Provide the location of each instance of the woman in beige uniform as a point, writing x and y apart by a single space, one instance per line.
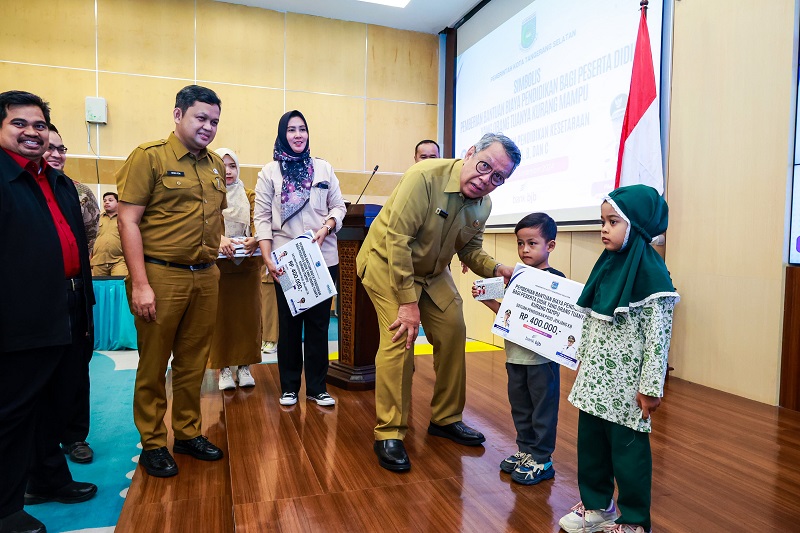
237 335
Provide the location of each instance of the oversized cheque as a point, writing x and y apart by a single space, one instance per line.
538 313
304 276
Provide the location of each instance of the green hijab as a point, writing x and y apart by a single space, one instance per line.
636 273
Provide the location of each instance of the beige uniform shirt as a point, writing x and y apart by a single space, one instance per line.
326 201
107 247
411 242
183 198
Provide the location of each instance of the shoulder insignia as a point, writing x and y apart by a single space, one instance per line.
152 144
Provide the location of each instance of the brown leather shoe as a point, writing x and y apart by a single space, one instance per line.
78 452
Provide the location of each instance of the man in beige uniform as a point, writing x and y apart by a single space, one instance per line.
107 259
437 210
171 194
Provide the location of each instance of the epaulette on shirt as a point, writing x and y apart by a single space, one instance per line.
152 144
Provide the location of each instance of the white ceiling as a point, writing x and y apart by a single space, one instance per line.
426 16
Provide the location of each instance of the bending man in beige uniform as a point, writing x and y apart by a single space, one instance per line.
437 210
107 259
172 193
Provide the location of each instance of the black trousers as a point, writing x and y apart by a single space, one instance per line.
33 412
534 392
315 321
77 423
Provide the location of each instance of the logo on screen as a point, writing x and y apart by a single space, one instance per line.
797 244
528 36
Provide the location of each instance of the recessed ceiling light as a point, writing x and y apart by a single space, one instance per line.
391 3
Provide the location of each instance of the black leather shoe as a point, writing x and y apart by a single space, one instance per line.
21 522
458 432
392 455
158 462
73 492
199 448
78 452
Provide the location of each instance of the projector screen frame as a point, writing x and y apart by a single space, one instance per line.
498 13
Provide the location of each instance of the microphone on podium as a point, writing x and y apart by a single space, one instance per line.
374 170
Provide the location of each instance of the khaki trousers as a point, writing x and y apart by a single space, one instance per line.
269 313
111 269
186 307
394 365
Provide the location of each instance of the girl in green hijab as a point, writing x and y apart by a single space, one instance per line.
629 299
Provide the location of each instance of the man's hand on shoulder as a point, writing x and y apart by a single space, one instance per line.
407 321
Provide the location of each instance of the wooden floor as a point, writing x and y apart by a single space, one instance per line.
721 463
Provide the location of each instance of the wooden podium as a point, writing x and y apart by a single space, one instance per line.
358 324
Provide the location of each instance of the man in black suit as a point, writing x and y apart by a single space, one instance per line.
45 314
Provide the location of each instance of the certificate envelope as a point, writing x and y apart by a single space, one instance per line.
305 280
538 313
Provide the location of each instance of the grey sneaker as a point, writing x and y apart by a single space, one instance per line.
226 379
245 379
513 461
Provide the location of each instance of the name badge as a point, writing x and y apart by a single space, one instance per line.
322 185
174 173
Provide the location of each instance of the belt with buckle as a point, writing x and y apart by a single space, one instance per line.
200 266
74 284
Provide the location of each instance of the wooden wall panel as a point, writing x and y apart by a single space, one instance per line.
335 124
402 65
147 37
248 122
64 90
393 130
325 55
477 316
790 358
34 34
728 165
239 44
139 110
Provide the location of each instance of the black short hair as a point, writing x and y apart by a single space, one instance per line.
14 98
547 226
190 94
109 193
427 141
53 128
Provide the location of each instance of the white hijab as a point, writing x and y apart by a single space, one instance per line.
237 214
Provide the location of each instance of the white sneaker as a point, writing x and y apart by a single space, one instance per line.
226 379
288 398
624 528
581 520
324 399
269 347
245 379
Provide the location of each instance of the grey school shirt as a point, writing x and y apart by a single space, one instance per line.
518 355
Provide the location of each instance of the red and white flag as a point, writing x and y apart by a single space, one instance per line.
640 144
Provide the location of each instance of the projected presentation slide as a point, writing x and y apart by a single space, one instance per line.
555 79
794 237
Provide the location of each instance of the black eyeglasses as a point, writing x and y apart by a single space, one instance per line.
496 178
59 149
